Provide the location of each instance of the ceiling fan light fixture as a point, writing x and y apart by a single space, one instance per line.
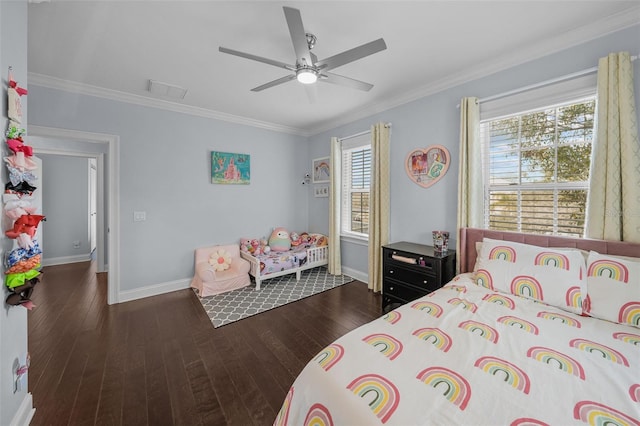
306 76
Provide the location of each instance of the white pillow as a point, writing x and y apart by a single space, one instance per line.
220 260
551 275
613 288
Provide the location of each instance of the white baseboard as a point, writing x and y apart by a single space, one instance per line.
358 275
168 287
153 290
25 412
66 259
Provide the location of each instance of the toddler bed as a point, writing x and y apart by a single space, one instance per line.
532 335
278 263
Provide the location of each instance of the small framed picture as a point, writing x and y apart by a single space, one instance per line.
321 191
321 170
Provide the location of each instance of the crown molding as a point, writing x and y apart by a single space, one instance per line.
115 95
572 37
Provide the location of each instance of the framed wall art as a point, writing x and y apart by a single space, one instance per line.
230 168
321 170
426 166
321 191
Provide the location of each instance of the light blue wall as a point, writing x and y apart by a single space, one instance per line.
165 171
13 319
416 211
165 167
65 200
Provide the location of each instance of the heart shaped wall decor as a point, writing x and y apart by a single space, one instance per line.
426 166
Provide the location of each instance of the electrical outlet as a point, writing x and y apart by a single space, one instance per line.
139 216
76 244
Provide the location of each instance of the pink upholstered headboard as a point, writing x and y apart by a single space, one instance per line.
469 237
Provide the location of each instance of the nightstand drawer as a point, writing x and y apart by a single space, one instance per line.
402 291
411 276
425 263
411 270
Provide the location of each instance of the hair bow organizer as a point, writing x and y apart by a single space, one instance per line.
22 263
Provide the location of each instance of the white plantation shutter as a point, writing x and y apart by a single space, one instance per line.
536 166
356 179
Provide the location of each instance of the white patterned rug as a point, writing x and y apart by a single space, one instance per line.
235 305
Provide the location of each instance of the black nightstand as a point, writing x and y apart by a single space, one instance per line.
412 270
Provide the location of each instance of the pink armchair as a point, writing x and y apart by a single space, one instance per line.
207 281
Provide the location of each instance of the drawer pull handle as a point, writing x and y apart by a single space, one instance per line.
425 281
390 288
391 271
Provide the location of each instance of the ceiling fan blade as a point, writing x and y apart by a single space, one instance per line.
257 58
351 55
345 81
274 83
298 36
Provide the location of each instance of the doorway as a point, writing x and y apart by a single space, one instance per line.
105 150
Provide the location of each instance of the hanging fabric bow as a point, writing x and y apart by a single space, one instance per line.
18 254
16 145
26 224
16 176
16 280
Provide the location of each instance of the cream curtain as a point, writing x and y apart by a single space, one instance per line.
378 203
335 265
613 202
470 183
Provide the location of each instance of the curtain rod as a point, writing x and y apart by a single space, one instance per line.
387 125
542 84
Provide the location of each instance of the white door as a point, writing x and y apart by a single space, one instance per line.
36 201
93 203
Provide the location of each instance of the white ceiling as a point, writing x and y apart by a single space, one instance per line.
112 49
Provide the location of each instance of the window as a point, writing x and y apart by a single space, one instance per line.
356 179
536 168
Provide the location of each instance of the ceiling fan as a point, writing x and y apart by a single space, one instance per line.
308 69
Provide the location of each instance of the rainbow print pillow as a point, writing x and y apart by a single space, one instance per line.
550 275
613 288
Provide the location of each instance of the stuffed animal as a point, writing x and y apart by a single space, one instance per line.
279 240
264 245
295 239
245 244
318 240
255 245
304 238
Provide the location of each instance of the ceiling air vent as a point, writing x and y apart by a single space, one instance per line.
167 90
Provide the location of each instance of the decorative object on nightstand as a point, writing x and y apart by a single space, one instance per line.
413 270
440 241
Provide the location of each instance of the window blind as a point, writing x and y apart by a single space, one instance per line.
536 167
356 179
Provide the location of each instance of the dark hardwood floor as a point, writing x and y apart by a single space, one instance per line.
159 361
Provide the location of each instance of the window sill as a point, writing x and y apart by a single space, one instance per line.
354 240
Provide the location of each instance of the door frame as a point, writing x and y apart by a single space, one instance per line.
96 192
113 195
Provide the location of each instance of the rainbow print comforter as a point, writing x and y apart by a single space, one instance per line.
465 355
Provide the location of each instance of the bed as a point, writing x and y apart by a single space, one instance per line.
294 261
484 351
